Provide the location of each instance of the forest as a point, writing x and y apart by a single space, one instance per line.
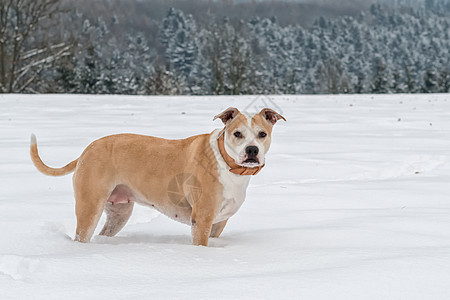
223 47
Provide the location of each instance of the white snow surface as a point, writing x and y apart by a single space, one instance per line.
354 203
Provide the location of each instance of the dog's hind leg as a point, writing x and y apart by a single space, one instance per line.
217 229
90 199
117 216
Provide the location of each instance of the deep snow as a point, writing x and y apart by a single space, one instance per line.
353 203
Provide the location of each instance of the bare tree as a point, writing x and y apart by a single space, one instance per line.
239 65
164 82
215 54
331 78
25 48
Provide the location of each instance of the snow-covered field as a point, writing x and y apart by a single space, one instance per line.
354 203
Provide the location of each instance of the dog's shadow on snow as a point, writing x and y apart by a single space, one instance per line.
130 238
134 238
149 239
139 238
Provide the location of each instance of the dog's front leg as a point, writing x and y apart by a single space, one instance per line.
201 227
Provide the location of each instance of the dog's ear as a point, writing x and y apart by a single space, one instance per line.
227 115
271 115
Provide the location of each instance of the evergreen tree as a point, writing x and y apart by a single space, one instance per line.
179 37
430 82
444 81
380 83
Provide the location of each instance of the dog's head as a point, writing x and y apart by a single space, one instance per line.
248 137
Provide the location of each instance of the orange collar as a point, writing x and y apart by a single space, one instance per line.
234 167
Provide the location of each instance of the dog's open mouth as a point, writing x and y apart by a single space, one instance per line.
251 161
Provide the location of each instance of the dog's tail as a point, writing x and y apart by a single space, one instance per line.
43 168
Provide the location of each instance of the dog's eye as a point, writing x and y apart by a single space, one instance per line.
262 134
238 134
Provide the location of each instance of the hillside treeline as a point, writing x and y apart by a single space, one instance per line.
50 46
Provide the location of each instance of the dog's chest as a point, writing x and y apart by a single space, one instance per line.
234 187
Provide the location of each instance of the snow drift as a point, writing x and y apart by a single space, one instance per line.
353 203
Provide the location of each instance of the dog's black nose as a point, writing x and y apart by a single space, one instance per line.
251 151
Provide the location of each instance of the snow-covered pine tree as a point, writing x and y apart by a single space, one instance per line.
380 81
90 65
430 81
444 80
179 37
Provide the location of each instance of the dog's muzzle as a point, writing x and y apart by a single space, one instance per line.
252 155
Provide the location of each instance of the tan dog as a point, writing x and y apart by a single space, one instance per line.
200 181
